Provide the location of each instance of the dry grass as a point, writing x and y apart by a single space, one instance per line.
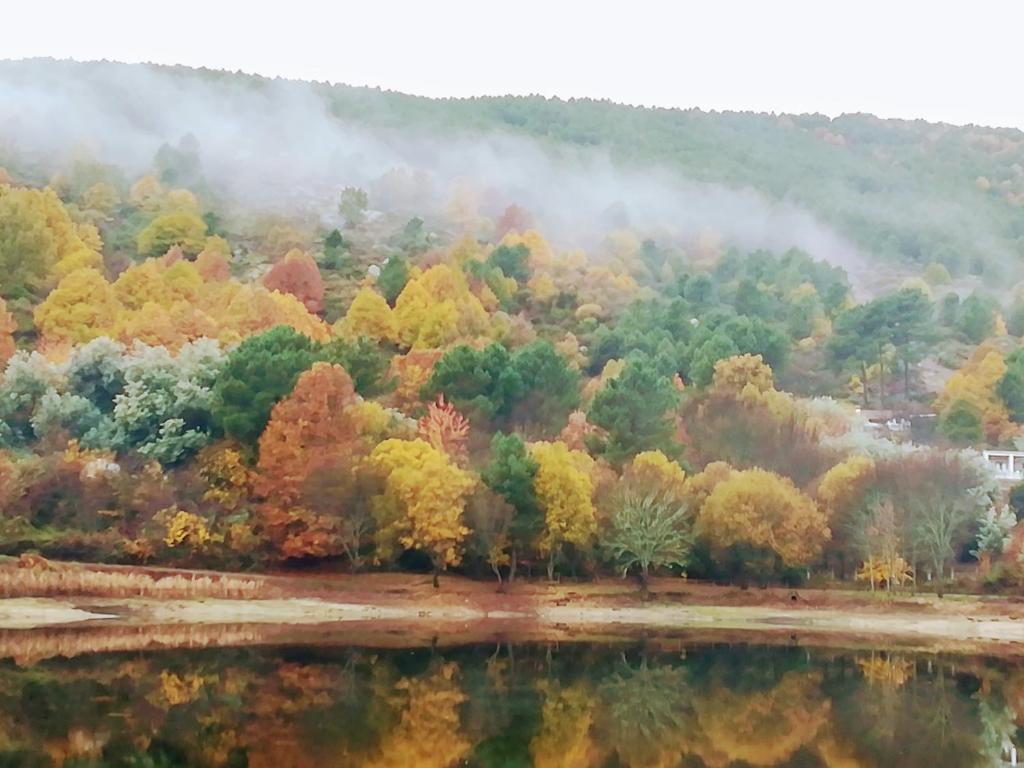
36 577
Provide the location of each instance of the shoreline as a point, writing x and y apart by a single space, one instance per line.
99 624
396 608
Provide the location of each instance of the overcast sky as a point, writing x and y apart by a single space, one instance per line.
939 60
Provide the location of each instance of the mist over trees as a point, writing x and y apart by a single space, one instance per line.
485 335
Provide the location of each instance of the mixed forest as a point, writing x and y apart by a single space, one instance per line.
193 378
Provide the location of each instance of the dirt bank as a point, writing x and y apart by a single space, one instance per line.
392 609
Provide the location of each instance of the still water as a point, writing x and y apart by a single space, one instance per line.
658 702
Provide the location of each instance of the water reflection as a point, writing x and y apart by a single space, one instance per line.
656 704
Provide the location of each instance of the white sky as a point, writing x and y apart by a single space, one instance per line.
958 62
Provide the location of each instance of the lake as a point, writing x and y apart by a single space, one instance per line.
655 702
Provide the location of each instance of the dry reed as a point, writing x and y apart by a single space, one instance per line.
40 578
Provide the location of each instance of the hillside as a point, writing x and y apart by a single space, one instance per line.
902 193
247 323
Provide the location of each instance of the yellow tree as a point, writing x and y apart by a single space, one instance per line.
973 388
742 373
82 307
842 492
423 500
182 228
437 308
653 471
39 240
564 489
7 329
759 511
368 315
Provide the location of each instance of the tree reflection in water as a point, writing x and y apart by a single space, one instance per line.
622 706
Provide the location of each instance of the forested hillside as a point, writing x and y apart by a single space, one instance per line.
249 322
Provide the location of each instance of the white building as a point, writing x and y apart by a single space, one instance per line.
1008 465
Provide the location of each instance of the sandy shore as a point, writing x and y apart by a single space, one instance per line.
29 613
403 608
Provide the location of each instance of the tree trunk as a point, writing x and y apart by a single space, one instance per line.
512 566
881 379
864 379
906 380
497 572
645 591
551 566
437 577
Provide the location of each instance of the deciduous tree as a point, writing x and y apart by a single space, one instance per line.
564 490
423 500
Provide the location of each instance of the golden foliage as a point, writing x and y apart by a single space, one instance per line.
654 472
564 489
82 307
843 485
229 481
436 308
7 329
886 670
186 529
762 509
975 384
368 315
412 370
423 500
701 485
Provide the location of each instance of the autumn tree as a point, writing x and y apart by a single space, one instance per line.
182 228
970 406
753 513
39 241
564 489
446 430
298 274
654 472
82 307
310 431
7 329
368 315
422 504
436 308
